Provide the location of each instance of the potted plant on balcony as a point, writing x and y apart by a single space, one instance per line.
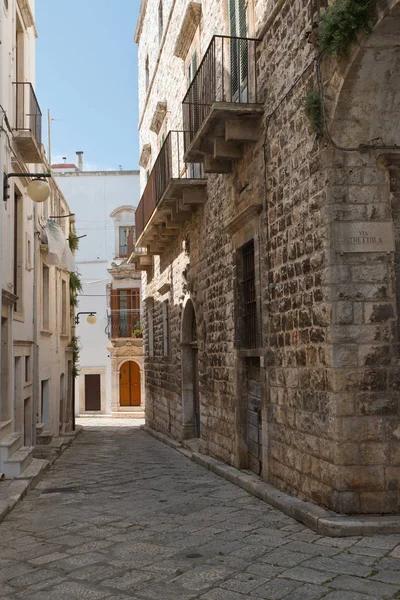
137 331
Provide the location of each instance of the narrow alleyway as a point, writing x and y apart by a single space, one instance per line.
120 515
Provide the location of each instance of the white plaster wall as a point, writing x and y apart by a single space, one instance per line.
93 196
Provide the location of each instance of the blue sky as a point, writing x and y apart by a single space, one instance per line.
86 74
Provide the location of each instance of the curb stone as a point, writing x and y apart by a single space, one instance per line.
320 520
24 484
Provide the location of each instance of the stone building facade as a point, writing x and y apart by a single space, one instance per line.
272 277
35 335
110 380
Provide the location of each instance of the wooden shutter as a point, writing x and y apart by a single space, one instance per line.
239 50
114 301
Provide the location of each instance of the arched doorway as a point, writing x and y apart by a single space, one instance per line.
190 374
129 384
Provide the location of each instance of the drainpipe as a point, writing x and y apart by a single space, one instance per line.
36 321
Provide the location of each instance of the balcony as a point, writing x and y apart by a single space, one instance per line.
138 257
222 110
124 323
27 126
173 192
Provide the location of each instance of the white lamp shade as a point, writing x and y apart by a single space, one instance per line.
91 319
38 190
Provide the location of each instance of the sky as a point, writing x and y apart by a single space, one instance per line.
86 74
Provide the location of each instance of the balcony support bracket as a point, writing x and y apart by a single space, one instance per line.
223 149
217 165
243 130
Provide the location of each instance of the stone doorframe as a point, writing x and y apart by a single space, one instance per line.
103 387
117 362
243 228
188 347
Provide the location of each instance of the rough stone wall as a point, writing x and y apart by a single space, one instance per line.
329 378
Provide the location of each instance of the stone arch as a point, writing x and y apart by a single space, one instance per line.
190 377
364 124
361 89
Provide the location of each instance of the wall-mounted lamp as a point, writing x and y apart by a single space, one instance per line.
38 188
91 318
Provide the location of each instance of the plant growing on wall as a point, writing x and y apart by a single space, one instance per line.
314 111
137 330
340 23
75 286
73 241
74 344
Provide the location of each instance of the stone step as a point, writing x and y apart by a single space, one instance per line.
5 428
10 444
18 462
34 470
44 438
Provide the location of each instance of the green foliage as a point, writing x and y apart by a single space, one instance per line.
137 330
75 287
339 25
73 241
314 111
74 344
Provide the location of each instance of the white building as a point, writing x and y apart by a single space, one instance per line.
35 325
111 359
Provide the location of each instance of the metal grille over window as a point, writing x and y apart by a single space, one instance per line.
249 296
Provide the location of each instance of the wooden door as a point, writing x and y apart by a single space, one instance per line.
129 384
92 392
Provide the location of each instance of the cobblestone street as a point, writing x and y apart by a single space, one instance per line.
120 515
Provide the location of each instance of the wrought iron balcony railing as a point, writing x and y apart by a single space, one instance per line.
168 168
28 116
227 73
124 323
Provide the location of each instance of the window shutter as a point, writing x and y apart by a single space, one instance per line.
114 301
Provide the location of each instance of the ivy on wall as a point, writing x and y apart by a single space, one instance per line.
75 286
314 111
340 23
74 344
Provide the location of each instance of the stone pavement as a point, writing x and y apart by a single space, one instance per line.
120 515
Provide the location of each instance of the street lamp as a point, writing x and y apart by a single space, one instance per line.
38 188
91 318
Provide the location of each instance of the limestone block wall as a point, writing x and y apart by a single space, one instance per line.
329 329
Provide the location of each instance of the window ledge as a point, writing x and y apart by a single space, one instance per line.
251 352
46 332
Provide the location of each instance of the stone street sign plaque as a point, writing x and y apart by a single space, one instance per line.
364 237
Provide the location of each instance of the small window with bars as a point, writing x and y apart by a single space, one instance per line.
249 337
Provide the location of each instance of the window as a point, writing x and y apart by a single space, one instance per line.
239 50
192 67
166 341
125 313
248 296
123 241
150 330
45 298
64 307
147 73
27 369
160 22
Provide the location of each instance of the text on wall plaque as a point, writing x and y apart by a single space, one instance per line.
364 237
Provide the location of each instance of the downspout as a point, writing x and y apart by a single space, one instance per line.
36 321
